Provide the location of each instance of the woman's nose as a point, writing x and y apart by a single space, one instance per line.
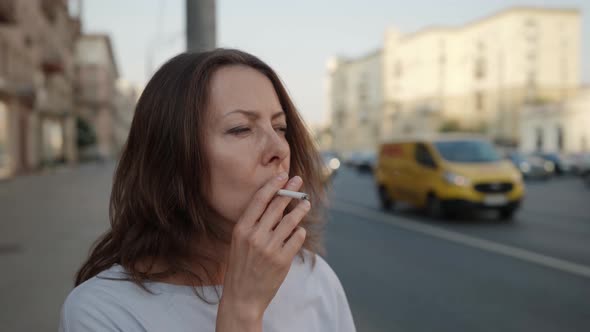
276 148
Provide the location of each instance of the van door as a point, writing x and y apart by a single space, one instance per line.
391 164
424 174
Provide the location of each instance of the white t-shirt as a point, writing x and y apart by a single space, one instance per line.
308 300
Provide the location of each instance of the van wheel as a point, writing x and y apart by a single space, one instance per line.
507 214
434 208
385 201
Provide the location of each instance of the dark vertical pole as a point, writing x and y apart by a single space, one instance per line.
200 25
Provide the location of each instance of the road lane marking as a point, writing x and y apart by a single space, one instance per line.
467 240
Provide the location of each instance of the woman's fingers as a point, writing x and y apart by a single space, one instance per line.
289 224
275 210
260 201
294 243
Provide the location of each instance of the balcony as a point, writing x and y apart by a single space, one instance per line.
24 91
8 12
52 63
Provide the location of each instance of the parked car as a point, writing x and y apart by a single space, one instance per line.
586 178
448 174
366 161
583 167
562 166
581 163
350 158
531 167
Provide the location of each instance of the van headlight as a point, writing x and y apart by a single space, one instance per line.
456 179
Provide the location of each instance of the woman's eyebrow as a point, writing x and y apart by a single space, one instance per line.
254 114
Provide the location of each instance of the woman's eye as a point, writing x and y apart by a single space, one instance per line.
281 129
239 130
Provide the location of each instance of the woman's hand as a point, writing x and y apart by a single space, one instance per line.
264 244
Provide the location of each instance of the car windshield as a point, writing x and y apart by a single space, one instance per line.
517 157
467 151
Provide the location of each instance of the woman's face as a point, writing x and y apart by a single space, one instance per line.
246 144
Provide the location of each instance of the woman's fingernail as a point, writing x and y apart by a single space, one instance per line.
306 204
282 176
295 181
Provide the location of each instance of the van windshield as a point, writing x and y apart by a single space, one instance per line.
467 151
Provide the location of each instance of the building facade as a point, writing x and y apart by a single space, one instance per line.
36 83
557 127
477 77
97 74
355 102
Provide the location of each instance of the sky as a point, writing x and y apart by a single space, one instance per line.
296 38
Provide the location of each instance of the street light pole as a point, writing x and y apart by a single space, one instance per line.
200 25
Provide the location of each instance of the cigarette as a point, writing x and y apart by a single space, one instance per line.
293 194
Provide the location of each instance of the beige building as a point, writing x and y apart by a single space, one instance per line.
355 102
97 74
557 127
478 76
36 78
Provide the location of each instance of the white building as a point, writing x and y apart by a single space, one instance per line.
355 102
557 127
479 75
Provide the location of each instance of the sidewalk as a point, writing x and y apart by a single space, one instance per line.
48 221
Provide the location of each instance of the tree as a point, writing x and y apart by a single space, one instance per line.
86 135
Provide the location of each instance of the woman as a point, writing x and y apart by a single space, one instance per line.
199 240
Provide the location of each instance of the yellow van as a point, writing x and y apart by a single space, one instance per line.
448 174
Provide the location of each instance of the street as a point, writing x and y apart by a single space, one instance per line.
401 271
404 272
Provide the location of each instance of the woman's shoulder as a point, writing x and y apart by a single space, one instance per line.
314 272
101 299
109 285
313 291
314 265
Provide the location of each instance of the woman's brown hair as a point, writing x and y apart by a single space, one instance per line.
158 207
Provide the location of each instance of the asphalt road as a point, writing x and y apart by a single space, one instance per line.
405 272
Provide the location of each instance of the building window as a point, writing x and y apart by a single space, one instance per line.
480 68
3 137
530 23
339 117
363 117
560 140
479 102
530 30
398 71
539 139
362 92
531 82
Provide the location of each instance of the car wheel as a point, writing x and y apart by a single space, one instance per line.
385 200
507 214
434 208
